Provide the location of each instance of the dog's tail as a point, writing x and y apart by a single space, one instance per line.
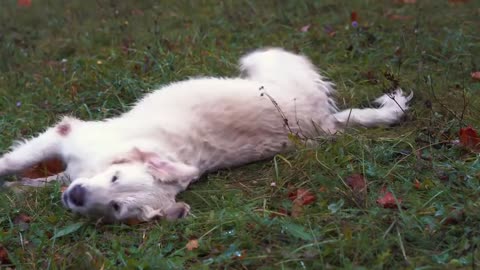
275 65
392 108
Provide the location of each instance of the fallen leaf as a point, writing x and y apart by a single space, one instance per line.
305 28
297 210
137 12
454 217
22 218
406 1
356 182
301 196
192 244
417 184
370 76
475 75
63 188
329 30
24 3
4 259
397 17
73 91
353 16
387 200
132 221
469 138
44 169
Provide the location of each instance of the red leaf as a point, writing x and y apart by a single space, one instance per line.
356 182
417 184
354 16
24 3
455 217
469 138
4 259
301 196
475 75
22 218
44 169
387 200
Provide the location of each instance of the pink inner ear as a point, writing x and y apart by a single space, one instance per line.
160 164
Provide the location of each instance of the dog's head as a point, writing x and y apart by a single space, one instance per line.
138 185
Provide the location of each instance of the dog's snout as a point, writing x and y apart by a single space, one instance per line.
77 195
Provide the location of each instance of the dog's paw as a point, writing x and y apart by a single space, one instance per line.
177 211
396 99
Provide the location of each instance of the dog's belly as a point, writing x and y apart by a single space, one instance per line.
216 123
231 133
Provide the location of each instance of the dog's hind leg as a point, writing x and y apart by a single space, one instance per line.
45 146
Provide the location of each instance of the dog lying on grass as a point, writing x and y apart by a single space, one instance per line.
133 166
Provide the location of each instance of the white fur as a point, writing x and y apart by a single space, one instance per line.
183 130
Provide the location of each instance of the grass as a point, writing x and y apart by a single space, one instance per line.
92 59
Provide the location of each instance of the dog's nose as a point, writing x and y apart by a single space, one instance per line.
77 195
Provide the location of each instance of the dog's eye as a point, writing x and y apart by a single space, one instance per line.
115 206
114 178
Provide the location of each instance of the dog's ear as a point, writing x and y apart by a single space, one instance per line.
161 168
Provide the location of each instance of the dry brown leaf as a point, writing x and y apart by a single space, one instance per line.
4 259
44 169
22 218
356 182
301 196
192 244
406 1
132 221
297 210
73 91
397 17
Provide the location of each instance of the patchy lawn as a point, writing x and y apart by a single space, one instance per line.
385 198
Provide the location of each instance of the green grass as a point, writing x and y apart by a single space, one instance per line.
115 51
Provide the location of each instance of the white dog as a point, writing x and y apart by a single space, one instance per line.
134 165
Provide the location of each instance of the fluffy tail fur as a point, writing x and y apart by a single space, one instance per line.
278 66
275 65
392 107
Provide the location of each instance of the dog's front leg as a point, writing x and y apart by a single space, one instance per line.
40 182
27 153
